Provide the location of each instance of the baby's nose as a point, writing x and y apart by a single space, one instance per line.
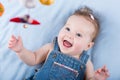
70 36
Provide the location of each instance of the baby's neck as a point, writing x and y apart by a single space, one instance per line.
75 56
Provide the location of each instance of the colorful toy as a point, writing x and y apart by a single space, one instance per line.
46 2
28 3
25 19
1 9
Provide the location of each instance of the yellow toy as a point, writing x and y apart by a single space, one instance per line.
46 2
1 9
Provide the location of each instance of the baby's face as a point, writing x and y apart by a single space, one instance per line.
75 36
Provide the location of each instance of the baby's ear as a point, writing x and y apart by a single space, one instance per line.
90 44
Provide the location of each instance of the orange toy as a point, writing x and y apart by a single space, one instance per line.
46 2
1 9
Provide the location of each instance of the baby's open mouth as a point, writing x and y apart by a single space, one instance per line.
67 44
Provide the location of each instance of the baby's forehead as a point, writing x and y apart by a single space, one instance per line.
78 18
80 21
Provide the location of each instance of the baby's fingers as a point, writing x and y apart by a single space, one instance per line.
104 69
12 41
106 72
98 70
13 38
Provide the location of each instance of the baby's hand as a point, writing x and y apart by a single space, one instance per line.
101 74
15 44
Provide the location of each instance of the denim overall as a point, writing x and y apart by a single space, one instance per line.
60 66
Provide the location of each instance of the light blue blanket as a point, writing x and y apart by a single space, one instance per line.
52 18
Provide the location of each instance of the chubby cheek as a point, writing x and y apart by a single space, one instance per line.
79 47
61 34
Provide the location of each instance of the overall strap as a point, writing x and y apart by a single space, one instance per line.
84 57
56 47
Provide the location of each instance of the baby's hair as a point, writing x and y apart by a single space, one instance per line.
88 14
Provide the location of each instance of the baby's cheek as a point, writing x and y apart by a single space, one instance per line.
78 48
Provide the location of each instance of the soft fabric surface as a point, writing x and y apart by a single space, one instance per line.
52 18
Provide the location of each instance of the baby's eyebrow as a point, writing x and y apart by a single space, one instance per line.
67 24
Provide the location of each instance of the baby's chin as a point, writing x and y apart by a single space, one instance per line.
70 54
65 51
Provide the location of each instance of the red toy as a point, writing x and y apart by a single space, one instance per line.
25 19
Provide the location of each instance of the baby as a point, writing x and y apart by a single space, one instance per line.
66 57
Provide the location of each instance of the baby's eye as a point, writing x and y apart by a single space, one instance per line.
78 34
68 29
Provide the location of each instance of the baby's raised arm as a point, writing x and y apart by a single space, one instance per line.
29 57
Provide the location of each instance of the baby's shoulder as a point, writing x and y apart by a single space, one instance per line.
89 62
49 46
